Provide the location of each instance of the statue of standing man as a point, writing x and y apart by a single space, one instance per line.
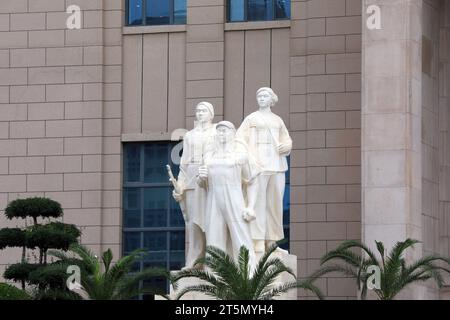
269 142
195 143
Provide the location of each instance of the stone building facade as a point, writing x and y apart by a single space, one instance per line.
368 111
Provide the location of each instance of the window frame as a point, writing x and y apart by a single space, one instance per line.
144 15
272 11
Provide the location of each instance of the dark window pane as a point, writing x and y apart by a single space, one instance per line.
132 208
155 283
176 217
286 200
179 12
176 260
158 12
155 241
284 244
132 241
134 12
132 162
155 207
258 10
156 259
282 9
177 240
155 158
236 10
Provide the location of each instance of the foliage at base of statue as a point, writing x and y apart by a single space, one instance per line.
100 280
231 280
9 292
388 274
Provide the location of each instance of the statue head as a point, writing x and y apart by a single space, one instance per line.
266 97
226 132
204 112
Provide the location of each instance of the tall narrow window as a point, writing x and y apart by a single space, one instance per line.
286 210
151 218
155 12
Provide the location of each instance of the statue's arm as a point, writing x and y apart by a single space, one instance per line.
249 175
285 140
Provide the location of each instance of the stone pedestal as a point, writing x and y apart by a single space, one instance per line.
288 259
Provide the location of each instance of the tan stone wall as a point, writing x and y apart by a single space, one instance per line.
60 102
443 242
325 121
430 132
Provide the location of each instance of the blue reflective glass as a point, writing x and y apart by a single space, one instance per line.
155 160
258 10
282 9
155 259
158 12
155 241
156 202
131 241
286 204
132 207
154 283
176 217
285 242
236 10
176 260
179 12
132 162
177 240
134 12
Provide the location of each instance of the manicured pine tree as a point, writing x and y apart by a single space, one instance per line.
40 237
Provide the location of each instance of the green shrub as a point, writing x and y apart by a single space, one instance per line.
55 235
33 207
50 276
19 271
11 237
9 292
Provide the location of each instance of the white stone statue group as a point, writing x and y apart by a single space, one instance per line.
231 182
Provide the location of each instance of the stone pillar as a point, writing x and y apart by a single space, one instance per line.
204 55
391 127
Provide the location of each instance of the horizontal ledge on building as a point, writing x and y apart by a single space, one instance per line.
150 136
255 25
154 29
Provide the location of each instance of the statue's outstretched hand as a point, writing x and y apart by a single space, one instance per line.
177 196
248 215
203 172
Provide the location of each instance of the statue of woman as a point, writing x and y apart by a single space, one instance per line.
227 174
194 197
269 143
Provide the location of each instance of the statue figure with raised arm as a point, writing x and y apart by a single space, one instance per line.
226 175
191 197
269 142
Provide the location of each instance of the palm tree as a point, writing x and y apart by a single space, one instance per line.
395 274
113 282
230 280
